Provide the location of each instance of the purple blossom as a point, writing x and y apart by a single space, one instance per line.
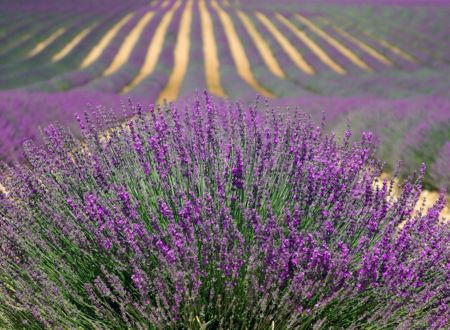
268 221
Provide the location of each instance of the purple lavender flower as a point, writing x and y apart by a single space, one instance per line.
239 219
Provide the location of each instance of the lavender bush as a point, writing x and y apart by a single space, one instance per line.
215 217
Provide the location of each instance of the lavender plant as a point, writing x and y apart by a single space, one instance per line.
215 216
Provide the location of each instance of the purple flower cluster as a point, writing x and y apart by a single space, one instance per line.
219 215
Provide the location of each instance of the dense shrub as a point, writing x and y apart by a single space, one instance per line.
215 216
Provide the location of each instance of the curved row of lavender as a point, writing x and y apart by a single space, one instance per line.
214 215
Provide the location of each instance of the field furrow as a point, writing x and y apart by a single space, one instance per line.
128 45
195 77
181 56
15 51
394 34
93 76
210 53
237 51
165 4
18 30
45 43
278 87
287 46
369 50
23 70
17 41
428 41
66 74
262 46
319 52
335 43
231 80
42 65
72 44
398 57
98 50
393 48
375 64
154 49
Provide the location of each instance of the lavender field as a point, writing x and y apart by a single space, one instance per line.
224 164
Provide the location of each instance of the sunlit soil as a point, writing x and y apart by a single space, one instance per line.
210 54
45 43
72 44
380 41
98 50
262 46
427 198
333 42
128 45
392 48
16 42
238 52
181 56
165 4
154 50
369 50
287 46
312 45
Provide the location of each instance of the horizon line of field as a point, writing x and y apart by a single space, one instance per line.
309 35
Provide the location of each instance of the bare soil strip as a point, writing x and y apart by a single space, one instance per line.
165 4
391 47
287 46
380 41
210 54
16 42
98 50
426 200
333 42
44 44
362 45
154 50
238 52
128 45
319 52
72 44
262 46
181 56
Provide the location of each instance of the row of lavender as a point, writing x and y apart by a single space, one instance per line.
216 216
38 73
